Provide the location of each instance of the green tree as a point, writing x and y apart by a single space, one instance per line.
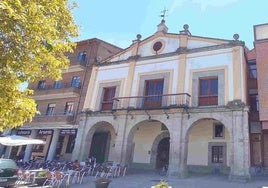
35 35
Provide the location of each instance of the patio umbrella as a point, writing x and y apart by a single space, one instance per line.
15 140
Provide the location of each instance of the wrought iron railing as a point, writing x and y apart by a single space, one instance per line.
55 87
76 61
60 117
179 100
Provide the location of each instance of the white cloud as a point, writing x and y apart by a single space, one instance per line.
204 4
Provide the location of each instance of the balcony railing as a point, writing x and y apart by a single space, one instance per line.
68 118
179 100
75 61
62 86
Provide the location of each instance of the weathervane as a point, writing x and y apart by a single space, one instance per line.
163 15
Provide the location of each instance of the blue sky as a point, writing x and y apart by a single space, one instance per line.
119 21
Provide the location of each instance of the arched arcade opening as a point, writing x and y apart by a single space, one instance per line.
100 142
148 145
208 147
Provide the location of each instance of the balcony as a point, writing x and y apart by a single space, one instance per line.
180 100
77 64
66 90
59 118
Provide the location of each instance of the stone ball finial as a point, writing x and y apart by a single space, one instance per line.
236 36
185 26
138 36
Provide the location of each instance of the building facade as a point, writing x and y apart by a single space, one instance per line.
59 104
171 99
258 82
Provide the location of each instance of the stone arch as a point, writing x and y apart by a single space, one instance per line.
155 144
133 126
93 122
224 119
130 132
101 126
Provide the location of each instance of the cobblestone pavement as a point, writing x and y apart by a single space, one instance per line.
148 179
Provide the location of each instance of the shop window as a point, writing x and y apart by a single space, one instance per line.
218 131
39 147
153 93
217 154
71 143
208 91
59 146
50 109
41 84
107 100
69 108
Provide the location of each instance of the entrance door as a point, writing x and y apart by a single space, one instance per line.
162 157
59 147
255 149
98 146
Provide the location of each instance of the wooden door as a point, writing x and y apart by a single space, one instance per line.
265 149
255 142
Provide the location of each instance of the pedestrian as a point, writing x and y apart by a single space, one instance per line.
21 154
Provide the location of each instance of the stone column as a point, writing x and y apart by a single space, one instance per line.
78 151
178 149
29 148
2 149
53 145
241 163
120 146
7 152
8 148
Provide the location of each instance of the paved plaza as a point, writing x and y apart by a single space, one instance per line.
148 179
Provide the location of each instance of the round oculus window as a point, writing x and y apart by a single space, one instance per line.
157 46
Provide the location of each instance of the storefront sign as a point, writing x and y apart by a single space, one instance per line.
68 131
45 132
23 132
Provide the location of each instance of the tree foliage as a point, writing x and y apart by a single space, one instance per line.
35 35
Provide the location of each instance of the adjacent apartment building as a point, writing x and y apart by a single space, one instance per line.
171 99
59 104
258 92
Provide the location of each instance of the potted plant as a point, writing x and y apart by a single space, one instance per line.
162 184
40 178
102 182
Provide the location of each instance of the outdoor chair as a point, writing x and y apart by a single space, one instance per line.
49 178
